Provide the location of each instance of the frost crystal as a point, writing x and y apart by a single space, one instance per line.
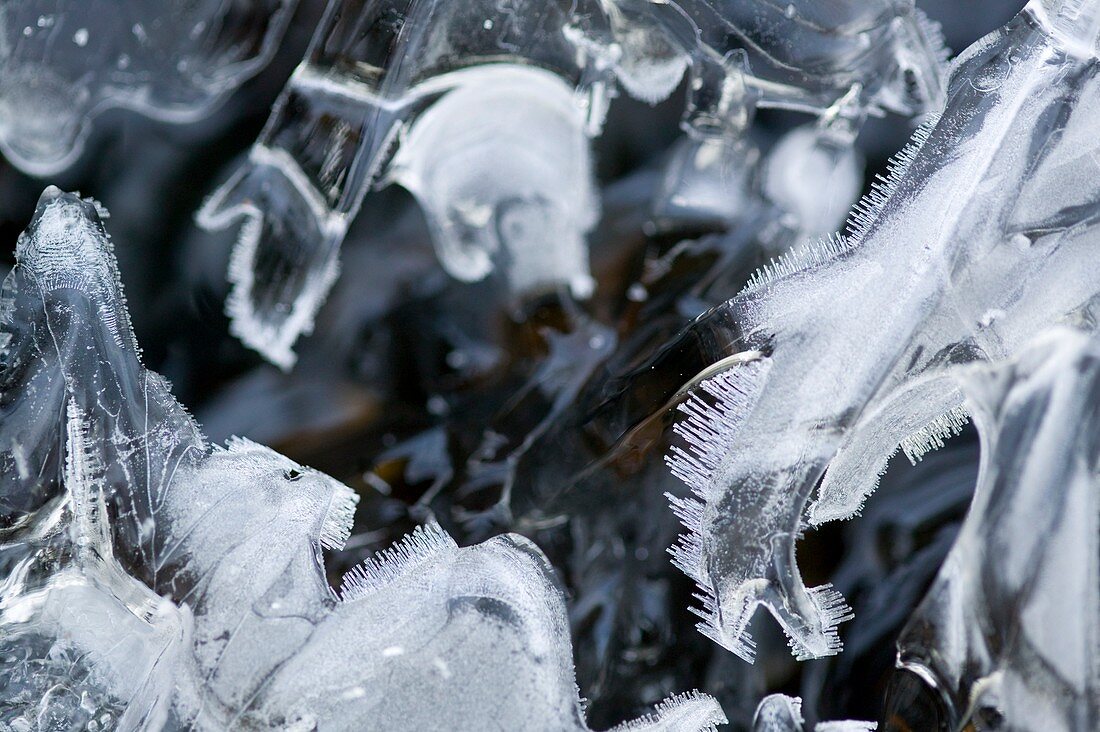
1008 633
156 581
983 234
63 62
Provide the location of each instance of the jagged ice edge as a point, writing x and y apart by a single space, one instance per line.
931 436
693 702
424 543
708 430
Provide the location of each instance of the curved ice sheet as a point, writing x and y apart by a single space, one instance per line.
62 62
489 107
1007 635
983 234
156 581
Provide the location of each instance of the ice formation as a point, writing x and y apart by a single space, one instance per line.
63 62
781 713
1007 635
982 235
840 61
153 580
489 107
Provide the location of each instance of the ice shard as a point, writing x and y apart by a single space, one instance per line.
155 581
1007 635
61 63
982 235
489 108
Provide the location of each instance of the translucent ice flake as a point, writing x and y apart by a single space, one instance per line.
982 235
1006 637
781 713
489 106
154 581
63 62
510 187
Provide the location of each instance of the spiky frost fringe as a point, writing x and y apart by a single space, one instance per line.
863 214
832 610
424 543
847 725
699 712
712 423
708 431
800 259
870 207
931 436
738 640
932 30
336 528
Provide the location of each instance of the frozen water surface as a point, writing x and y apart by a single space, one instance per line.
64 61
154 580
493 377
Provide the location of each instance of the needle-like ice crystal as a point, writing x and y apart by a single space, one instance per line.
984 233
64 61
153 580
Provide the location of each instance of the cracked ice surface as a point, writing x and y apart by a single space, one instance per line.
154 580
61 63
983 235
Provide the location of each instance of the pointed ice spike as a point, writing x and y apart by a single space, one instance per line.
70 342
983 235
65 61
1008 629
